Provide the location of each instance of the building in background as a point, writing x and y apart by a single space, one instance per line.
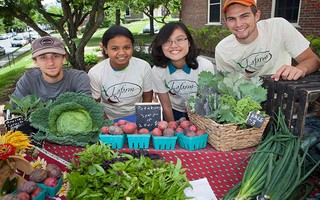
301 13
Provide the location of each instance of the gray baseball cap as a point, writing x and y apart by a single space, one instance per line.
47 44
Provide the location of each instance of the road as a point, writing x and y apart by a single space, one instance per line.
7 46
11 52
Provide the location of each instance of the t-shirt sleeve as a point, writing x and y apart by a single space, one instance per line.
21 89
147 82
95 85
83 83
295 42
221 65
158 80
206 65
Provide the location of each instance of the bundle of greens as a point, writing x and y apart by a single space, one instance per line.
227 97
26 105
102 173
72 119
278 169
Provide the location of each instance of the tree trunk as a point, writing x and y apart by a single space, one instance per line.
118 16
151 19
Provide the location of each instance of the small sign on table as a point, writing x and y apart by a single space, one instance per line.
148 115
18 123
255 119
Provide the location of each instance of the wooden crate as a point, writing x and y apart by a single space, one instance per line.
297 99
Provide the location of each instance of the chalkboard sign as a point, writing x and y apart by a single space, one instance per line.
18 123
148 115
255 119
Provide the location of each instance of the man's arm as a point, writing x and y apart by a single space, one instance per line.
308 63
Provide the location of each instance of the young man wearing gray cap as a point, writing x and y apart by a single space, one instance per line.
49 78
264 47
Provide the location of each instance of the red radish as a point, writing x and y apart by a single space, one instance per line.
186 129
104 130
115 130
190 134
122 122
162 125
136 131
51 182
129 127
181 120
23 196
144 131
156 132
185 123
35 192
168 132
115 124
193 128
200 132
173 125
179 130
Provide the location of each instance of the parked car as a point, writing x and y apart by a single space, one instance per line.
34 35
18 41
2 50
3 36
146 29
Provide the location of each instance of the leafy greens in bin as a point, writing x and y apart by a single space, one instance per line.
72 119
227 97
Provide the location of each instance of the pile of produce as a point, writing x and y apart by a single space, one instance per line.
227 97
278 169
163 128
183 125
102 173
48 176
72 119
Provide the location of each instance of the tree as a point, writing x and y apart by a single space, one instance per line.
148 7
75 13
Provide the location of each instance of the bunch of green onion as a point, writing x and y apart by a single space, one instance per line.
276 170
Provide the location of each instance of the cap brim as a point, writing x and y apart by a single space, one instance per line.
44 51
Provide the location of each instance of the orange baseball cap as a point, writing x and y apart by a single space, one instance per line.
242 2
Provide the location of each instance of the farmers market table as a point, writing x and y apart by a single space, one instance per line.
222 169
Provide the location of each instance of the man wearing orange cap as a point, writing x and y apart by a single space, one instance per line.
264 47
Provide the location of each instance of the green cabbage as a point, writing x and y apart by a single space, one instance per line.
72 119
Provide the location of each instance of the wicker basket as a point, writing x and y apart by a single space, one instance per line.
227 137
8 169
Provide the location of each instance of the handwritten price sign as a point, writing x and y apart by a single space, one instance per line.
148 115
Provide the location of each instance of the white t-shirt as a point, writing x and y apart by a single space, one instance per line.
277 43
120 90
179 84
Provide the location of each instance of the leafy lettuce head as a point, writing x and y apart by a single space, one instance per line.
72 119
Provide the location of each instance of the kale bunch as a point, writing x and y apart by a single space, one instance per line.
227 97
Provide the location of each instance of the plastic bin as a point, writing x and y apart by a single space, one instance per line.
52 191
164 142
193 143
116 141
137 141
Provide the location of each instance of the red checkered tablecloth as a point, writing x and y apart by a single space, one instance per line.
222 169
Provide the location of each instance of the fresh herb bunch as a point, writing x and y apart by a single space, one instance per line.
102 173
26 105
227 97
